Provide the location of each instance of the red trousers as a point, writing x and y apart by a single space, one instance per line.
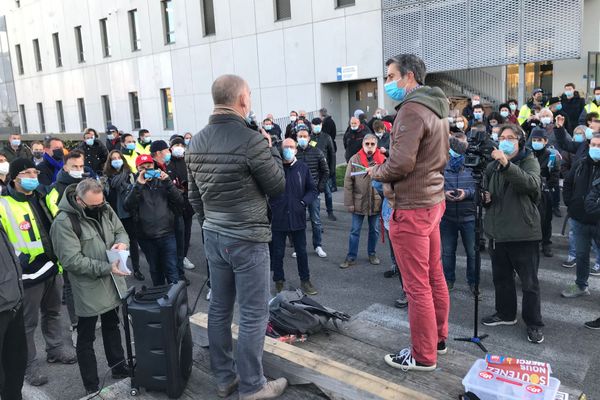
415 236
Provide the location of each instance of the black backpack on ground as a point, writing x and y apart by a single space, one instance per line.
294 313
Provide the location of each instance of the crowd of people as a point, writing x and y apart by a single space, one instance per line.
253 186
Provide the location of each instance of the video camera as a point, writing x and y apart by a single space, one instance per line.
479 151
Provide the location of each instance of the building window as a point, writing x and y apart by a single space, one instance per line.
79 44
61 116
23 118
104 38
134 105
106 110
37 55
167 106
133 31
18 3
57 54
283 10
82 114
41 119
344 3
208 16
168 21
19 59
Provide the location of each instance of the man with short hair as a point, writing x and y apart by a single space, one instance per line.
276 128
232 170
572 105
81 234
467 112
113 138
592 106
269 126
37 152
53 161
142 146
353 137
95 153
537 99
15 148
415 169
290 129
128 149
324 143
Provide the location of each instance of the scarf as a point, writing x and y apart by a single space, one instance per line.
56 165
377 157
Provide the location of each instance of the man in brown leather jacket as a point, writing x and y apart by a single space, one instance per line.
415 170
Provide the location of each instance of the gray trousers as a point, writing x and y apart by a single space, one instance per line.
44 297
237 269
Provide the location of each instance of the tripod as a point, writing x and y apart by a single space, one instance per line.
476 338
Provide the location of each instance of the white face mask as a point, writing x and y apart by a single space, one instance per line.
76 174
379 134
293 118
4 166
545 120
460 125
178 151
475 102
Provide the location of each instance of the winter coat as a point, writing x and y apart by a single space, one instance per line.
461 178
353 140
384 142
22 152
512 215
289 208
324 143
576 187
84 256
359 192
11 283
49 169
177 171
329 127
578 149
549 170
95 155
419 150
317 164
232 171
116 189
572 107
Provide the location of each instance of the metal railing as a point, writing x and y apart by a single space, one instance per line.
470 82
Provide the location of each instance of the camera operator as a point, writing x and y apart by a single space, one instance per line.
512 222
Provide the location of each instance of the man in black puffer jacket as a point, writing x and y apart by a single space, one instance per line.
95 153
325 144
577 185
232 169
309 153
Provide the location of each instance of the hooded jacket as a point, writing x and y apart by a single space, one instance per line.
572 107
84 256
95 155
418 151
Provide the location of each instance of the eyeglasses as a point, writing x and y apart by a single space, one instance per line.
94 206
29 172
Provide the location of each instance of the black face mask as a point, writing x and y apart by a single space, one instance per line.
58 154
38 154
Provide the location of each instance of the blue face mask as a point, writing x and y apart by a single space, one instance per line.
537 145
15 142
29 184
186 141
130 146
578 138
152 174
568 93
116 164
89 142
558 107
589 133
478 116
594 153
317 128
597 97
288 154
268 127
504 114
167 158
507 147
454 154
147 139
302 142
392 90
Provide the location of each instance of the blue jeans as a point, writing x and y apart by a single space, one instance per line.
584 235
572 253
449 233
238 269
328 197
357 221
161 254
314 210
278 252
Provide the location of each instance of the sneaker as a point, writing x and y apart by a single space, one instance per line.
331 217
450 285
271 390
294 255
279 286
403 360
556 212
575 291
308 288
535 335
34 376
138 275
547 251
74 336
61 358
495 320
208 294
393 271
569 263
593 324
402 301
595 270
187 264
347 263
229 389
442 348
320 252
374 260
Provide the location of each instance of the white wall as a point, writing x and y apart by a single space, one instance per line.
284 62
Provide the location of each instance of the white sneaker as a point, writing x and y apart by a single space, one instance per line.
187 264
208 294
73 330
294 255
403 360
320 252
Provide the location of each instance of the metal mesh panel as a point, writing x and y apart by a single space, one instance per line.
460 34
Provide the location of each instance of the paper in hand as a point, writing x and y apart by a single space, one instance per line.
122 256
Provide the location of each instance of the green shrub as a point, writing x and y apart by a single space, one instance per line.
340 171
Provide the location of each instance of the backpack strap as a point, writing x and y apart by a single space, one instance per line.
75 224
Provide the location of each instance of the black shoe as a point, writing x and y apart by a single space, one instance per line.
391 273
547 251
556 212
495 320
138 275
187 281
91 391
442 348
593 324
535 335
450 285
121 373
331 216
